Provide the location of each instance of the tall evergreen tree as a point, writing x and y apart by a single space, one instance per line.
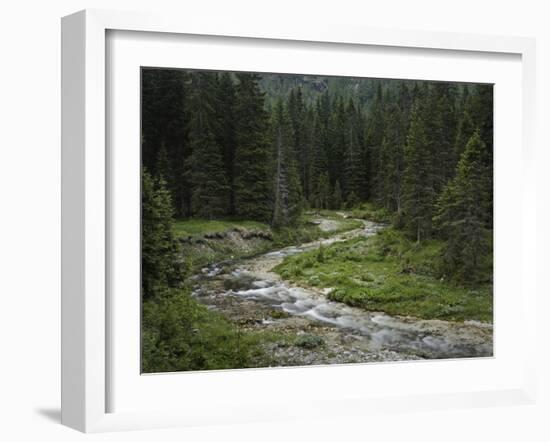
354 175
322 192
252 184
297 114
165 123
477 114
338 142
374 139
206 172
336 199
163 165
442 130
287 198
461 212
418 189
320 145
160 263
226 133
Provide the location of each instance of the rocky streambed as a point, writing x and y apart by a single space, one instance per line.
321 331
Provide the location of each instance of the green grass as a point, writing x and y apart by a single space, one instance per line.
179 334
391 274
371 212
201 250
200 227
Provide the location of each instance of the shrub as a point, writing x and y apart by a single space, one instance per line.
309 341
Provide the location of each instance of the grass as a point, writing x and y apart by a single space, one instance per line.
389 273
200 227
371 212
179 334
202 250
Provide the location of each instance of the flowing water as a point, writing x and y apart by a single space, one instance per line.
250 293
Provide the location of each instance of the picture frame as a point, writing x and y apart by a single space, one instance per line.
87 356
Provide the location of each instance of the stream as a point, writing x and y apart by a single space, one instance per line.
248 292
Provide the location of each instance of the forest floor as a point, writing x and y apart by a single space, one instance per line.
332 297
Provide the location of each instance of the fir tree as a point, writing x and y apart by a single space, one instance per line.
392 161
163 167
320 145
160 262
297 114
252 184
287 190
418 189
206 172
336 200
165 123
461 211
226 133
374 139
354 176
322 192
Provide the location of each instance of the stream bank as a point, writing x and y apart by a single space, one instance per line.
315 330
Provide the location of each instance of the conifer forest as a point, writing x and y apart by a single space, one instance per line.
292 220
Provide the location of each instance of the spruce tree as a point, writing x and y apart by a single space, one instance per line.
165 123
461 213
322 192
336 200
160 262
297 114
287 198
418 189
207 176
374 139
163 167
226 130
443 132
252 183
338 143
354 175
320 145
392 161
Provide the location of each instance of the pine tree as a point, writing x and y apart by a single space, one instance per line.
206 170
163 167
287 190
252 184
322 192
374 139
160 263
297 114
320 145
354 175
418 190
392 161
226 133
443 131
461 211
477 114
336 200
165 123
339 135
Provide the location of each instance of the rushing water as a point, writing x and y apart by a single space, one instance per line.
254 285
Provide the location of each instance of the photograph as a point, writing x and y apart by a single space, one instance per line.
303 220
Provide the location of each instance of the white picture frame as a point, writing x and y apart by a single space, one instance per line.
86 356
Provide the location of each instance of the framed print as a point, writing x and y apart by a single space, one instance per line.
250 215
